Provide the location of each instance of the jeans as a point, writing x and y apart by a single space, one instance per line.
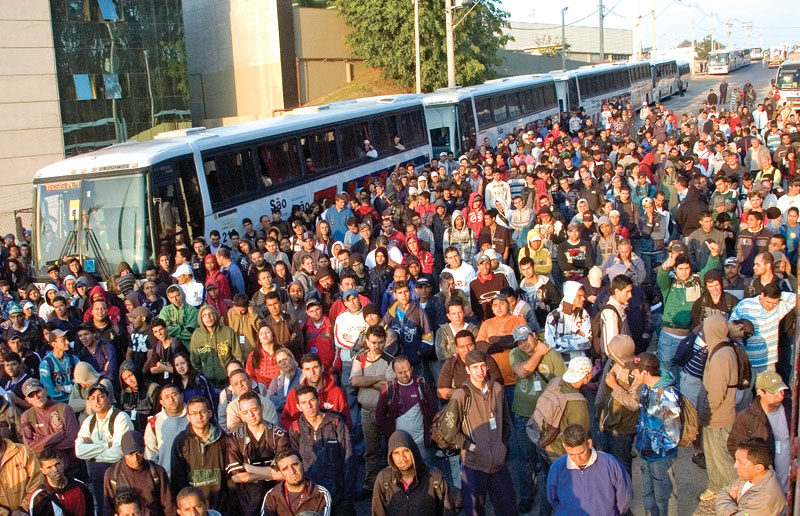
658 484
372 447
526 459
620 446
476 485
719 464
667 346
97 472
355 410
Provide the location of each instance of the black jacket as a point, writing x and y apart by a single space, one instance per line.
427 495
689 210
76 493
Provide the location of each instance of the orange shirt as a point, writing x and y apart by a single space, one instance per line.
497 326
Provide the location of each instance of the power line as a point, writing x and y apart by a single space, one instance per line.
557 26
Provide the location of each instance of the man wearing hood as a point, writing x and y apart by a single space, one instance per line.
460 237
212 346
616 421
407 485
199 457
719 379
568 329
181 318
138 397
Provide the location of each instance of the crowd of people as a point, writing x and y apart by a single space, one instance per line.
515 326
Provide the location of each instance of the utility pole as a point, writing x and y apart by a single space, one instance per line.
416 47
602 48
729 24
761 40
637 38
563 40
712 38
691 10
748 29
451 50
653 15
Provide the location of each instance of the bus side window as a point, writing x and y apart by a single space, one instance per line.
278 162
382 131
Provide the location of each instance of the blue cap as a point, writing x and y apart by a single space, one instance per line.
349 292
14 308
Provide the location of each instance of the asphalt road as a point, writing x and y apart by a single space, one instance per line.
690 479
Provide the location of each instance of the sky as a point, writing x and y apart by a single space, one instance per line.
673 18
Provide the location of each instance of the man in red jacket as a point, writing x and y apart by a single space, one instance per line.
318 334
331 396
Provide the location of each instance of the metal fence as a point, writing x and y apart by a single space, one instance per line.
15 221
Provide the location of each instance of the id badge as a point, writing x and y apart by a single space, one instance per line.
133 415
537 385
777 447
241 339
492 424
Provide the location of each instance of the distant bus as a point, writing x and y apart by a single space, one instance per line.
462 118
721 62
132 201
598 85
641 83
664 74
756 54
685 73
787 81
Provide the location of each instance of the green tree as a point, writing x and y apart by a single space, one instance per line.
702 47
383 36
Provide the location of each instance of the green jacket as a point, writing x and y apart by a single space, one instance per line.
211 351
679 296
181 322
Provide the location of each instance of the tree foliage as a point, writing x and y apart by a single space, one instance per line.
383 36
702 47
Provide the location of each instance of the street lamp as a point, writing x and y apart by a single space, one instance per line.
563 40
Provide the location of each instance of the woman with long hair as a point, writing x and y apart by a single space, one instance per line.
283 275
325 240
192 382
262 364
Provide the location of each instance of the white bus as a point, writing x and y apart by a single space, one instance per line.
641 83
131 201
596 85
788 83
664 73
685 73
462 118
756 54
721 62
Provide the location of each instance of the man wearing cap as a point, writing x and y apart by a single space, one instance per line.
49 424
181 317
99 439
576 409
732 281
534 364
483 428
138 475
192 290
57 367
308 249
29 332
485 287
767 417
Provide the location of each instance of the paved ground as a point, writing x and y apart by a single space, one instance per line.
691 480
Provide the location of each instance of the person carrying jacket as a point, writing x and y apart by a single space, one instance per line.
181 317
212 346
481 428
20 477
283 500
769 417
135 473
407 486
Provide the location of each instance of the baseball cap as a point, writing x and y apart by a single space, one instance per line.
492 254
501 297
423 281
731 261
141 311
30 386
474 357
14 308
313 302
769 381
183 269
521 333
132 442
98 387
483 257
678 247
574 225
82 282
28 305
54 334
647 200
349 292
577 369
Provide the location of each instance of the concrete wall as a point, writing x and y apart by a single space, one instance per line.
30 120
520 63
318 77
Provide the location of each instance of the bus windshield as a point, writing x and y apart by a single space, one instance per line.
441 121
788 79
719 59
105 220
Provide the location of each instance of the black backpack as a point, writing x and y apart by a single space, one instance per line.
597 328
742 364
93 422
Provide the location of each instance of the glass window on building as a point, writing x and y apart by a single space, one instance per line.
84 87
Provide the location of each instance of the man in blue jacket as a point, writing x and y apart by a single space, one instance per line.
337 216
587 481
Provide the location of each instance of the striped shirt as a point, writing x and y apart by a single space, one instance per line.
762 347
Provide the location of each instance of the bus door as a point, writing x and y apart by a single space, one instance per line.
177 204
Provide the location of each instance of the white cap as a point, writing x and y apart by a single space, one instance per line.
182 269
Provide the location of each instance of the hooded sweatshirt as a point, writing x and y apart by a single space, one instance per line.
212 350
721 373
563 324
160 433
181 320
141 403
85 374
474 217
428 494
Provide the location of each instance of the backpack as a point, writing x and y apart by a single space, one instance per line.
93 422
742 364
597 328
438 433
544 426
690 422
